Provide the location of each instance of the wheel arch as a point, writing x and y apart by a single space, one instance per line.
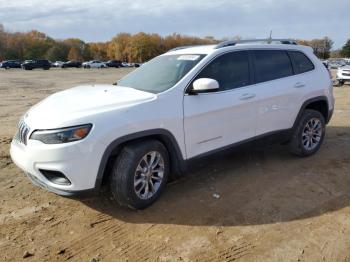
319 103
177 162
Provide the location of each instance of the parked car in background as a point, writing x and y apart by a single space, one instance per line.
335 64
114 63
343 74
37 63
71 63
10 64
57 64
125 64
94 64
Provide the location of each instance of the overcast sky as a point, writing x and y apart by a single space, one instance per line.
98 20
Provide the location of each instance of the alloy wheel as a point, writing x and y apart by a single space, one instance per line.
149 175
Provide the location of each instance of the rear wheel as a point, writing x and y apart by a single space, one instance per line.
139 174
308 134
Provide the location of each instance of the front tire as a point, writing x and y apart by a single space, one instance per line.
309 134
139 174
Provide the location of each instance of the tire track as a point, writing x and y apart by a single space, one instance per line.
230 254
120 243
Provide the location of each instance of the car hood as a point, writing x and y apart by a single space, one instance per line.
82 101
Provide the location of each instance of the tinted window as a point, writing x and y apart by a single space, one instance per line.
230 70
271 64
301 63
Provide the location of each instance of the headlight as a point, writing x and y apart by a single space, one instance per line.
62 135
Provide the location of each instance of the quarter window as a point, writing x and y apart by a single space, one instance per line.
230 70
271 64
301 63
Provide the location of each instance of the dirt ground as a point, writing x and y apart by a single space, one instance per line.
272 206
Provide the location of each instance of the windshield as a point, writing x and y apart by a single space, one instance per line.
161 73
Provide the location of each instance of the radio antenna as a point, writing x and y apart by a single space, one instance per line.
270 38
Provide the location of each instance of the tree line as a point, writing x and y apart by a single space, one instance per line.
126 47
138 47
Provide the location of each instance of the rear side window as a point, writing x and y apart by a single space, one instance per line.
271 64
301 62
231 70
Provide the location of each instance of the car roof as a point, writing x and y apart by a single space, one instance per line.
209 49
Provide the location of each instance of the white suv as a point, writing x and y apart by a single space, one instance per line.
181 105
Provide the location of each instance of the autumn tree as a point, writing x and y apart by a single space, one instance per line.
336 53
78 49
117 47
322 47
36 44
98 51
2 42
58 52
143 47
75 54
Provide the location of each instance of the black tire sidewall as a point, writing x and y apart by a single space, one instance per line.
123 172
306 117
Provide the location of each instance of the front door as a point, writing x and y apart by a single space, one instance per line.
224 117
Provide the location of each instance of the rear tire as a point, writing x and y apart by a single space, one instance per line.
139 174
309 133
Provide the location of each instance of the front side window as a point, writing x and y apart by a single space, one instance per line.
230 70
271 64
161 73
301 63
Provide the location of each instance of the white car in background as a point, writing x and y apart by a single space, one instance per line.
58 64
94 64
343 74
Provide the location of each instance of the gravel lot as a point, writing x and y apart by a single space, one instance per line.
270 205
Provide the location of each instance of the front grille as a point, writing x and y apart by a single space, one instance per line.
22 133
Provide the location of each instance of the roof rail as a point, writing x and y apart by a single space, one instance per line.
181 47
267 40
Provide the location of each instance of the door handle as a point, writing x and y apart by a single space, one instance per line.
246 96
299 85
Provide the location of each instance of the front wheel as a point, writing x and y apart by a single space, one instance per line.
139 174
309 133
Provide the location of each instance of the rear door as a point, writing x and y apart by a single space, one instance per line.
280 90
217 119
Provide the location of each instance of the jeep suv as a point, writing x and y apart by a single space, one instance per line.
33 64
181 105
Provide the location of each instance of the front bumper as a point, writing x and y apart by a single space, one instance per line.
78 161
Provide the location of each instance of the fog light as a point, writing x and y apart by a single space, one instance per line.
55 177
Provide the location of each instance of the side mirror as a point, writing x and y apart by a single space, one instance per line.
203 85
